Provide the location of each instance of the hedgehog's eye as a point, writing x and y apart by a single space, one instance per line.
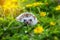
30 20
24 20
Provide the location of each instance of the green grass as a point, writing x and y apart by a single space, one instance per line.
10 29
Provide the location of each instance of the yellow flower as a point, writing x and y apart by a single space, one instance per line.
13 6
37 3
10 4
34 4
58 7
29 5
6 6
42 14
38 29
52 23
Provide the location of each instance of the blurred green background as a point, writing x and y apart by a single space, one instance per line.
46 11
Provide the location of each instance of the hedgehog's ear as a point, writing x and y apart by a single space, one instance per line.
18 18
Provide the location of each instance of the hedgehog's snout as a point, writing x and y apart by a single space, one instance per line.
28 21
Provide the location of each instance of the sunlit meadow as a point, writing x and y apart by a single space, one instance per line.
46 11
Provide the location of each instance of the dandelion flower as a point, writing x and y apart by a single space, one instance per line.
58 7
37 4
42 14
38 29
52 23
10 4
14 6
6 6
29 5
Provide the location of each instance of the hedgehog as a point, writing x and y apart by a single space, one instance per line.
27 18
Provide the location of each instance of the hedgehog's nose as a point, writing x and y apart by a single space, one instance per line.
26 22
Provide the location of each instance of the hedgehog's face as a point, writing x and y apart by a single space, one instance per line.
27 20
